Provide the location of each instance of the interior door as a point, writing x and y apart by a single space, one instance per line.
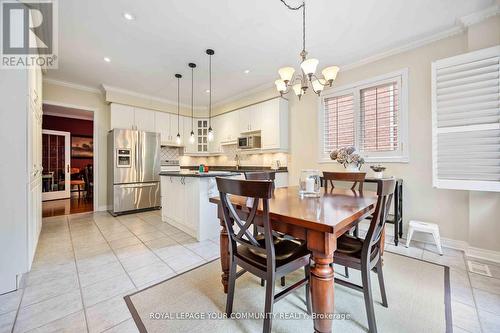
56 176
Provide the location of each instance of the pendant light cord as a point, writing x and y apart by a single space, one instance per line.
303 6
210 88
192 99
178 102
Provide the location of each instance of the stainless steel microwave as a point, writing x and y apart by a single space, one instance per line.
249 142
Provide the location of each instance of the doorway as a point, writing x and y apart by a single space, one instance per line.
68 160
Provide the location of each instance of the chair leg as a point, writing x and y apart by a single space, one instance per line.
283 281
230 288
268 309
307 273
367 291
346 271
356 231
262 282
381 283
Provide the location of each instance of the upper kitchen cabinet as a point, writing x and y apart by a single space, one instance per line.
274 133
250 118
129 117
122 116
144 120
228 128
162 126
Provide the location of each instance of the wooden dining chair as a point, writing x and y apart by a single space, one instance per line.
264 175
358 178
365 254
261 257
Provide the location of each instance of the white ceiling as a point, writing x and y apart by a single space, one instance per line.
259 35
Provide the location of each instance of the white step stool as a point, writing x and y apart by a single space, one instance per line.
431 228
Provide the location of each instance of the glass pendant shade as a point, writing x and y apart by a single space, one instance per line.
178 139
191 137
330 73
280 85
297 88
286 73
309 66
210 134
318 85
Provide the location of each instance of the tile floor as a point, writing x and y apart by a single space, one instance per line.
86 263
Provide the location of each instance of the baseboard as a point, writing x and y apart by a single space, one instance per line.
102 208
484 254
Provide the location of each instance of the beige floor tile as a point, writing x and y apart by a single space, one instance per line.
50 288
465 317
113 235
150 236
10 301
42 313
91 251
461 289
206 250
127 326
124 242
107 314
161 242
106 289
454 261
100 273
485 283
150 273
490 322
487 301
88 264
7 321
73 323
131 251
136 262
183 263
142 228
173 251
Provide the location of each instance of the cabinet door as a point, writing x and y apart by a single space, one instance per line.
255 117
244 120
174 127
214 146
190 202
144 119
232 125
162 125
122 116
271 126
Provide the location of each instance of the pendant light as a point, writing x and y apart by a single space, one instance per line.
210 53
191 136
178 138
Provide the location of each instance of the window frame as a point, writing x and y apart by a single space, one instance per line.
398 156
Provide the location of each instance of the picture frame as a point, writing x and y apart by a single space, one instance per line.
82 146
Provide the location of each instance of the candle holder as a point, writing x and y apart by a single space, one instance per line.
310 183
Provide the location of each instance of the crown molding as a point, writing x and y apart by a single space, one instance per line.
72 85
107 88
477 17
245 93
63 115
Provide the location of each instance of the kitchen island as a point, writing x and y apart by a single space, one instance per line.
185 205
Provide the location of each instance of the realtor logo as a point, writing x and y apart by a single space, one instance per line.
29 34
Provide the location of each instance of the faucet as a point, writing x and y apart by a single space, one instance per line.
237 159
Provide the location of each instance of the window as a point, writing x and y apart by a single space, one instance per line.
370 115
466 121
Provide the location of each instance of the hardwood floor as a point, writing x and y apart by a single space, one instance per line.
72 205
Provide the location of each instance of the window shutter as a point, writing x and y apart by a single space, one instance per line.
466 121
338 122
379 112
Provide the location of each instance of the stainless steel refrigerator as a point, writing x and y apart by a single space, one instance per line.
133 170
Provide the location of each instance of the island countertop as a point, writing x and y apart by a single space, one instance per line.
189 173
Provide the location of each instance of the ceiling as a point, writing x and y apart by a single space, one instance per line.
258 35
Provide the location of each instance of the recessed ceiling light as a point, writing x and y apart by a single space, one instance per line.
207 91
107 59
128 16
246 71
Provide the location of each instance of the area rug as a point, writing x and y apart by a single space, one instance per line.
417 291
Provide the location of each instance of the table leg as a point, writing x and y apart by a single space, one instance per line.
400 210
224 255
396 215
322 287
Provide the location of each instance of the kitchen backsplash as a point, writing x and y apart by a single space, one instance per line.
169 153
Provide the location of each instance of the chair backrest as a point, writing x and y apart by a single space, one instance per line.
385 192
261 175
355 177
256 191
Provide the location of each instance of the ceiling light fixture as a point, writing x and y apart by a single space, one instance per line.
301 82
191 136
107 59
128 16
207 91
210 53
246 71
178 138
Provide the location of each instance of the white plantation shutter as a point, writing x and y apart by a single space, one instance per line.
466 121
338 122
378 121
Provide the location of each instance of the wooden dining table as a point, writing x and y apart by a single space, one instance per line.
319 221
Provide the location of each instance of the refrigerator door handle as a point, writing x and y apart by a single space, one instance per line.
138 185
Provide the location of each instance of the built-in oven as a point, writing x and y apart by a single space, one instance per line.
249 142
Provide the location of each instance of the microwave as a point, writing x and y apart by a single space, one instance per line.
249 142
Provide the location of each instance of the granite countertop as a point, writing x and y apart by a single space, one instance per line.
233 169
190 173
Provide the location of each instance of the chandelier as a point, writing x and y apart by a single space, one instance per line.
301 82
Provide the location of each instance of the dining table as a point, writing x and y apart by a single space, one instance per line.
317 220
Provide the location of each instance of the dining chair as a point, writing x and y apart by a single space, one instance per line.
365 254
264 175
261 257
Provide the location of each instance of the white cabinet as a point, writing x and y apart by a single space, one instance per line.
215 145
122 116
250 118
162 126
274 134
228 127
144 119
